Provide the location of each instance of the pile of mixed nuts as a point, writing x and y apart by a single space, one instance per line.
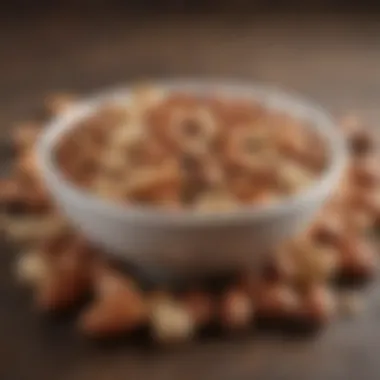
306 283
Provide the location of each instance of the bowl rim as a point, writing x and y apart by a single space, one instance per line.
269 95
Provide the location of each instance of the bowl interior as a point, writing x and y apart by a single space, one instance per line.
270 97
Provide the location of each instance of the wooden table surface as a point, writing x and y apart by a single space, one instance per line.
335 61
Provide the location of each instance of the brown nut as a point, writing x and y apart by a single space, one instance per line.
236 310
67 280
119 306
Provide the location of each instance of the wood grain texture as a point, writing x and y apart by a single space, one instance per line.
334 61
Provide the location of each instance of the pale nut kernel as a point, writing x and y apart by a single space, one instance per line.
148 179
32 268
145 97
251 150
171 322
292 177
192 131
215 201
315 263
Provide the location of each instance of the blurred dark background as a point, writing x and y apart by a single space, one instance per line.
327 49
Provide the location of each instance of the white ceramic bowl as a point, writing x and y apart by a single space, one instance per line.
185 242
